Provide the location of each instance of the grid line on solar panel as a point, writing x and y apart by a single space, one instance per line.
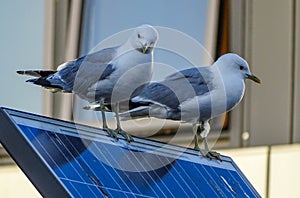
78 160
161 181
28 129
74 170
119 175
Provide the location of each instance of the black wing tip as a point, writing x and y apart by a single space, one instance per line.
33 80
21 72
36 73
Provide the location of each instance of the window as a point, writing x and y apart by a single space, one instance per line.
188 36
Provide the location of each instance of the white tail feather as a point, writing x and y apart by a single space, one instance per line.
154 110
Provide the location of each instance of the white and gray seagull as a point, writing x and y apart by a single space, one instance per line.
195 95
105 77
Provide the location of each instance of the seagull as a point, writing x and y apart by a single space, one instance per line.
195 95
106 77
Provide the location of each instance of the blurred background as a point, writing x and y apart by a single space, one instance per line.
261 134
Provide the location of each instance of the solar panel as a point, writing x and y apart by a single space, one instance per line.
63 159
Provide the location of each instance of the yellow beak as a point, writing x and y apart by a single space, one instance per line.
145 47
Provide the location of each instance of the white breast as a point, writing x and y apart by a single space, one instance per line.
133 69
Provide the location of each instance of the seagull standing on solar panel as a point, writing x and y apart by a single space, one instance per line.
105 77
195 95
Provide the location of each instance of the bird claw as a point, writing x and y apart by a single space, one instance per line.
197 148
214 155
112 133
211 155
127 137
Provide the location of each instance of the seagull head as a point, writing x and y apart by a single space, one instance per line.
236 65
144 38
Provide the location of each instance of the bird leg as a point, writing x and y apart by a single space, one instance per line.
102 108
110 132
205 128
196 141
119 130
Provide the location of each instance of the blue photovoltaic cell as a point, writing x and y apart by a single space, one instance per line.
87 163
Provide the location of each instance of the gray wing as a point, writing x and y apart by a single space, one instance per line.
81 73
93 69
176 88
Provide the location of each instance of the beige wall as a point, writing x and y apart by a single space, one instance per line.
275 168
13 183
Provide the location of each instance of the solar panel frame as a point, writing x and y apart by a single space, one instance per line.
41 173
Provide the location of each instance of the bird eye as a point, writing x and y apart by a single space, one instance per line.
241 68
139 36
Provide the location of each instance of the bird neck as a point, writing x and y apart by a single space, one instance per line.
231 82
